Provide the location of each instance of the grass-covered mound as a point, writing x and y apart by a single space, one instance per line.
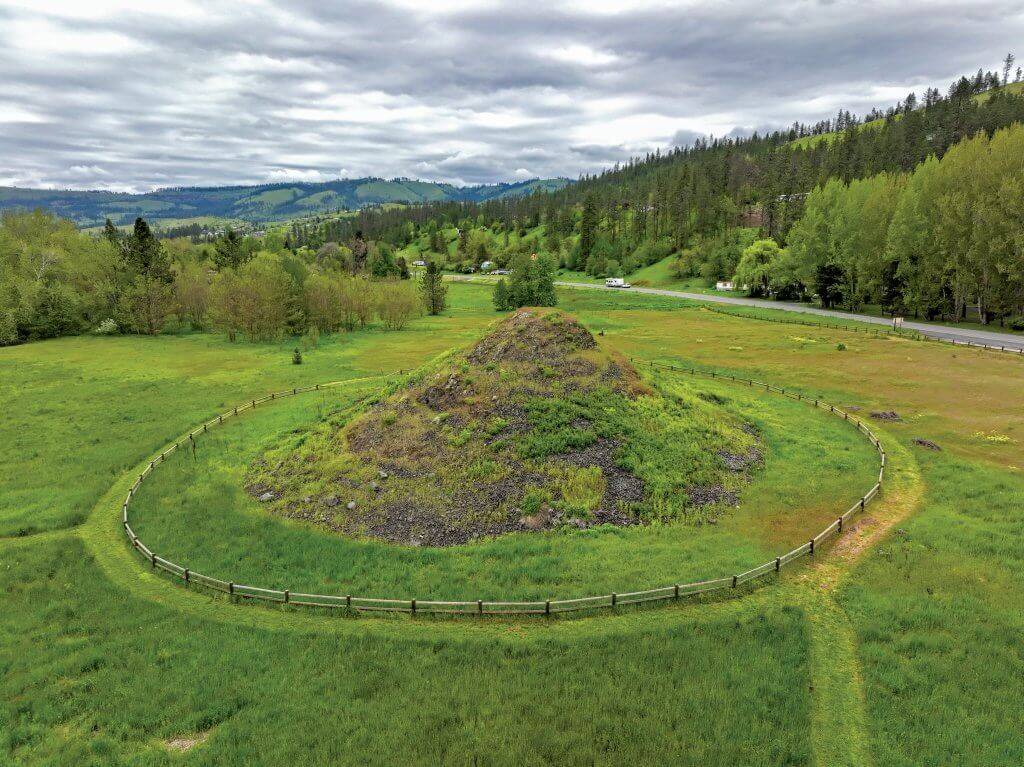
533 428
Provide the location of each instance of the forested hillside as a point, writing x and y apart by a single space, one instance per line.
702 206
254 203
922 214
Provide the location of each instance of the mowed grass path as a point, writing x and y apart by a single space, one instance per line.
103 670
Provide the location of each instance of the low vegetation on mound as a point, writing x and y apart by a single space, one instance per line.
536 427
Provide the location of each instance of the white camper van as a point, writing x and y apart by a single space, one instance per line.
616 282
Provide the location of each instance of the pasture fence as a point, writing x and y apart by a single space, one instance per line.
879 332
480 607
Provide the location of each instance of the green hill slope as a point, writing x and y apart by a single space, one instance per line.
269 202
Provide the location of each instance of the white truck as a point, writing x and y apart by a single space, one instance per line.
616 282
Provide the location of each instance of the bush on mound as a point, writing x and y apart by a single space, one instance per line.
535 427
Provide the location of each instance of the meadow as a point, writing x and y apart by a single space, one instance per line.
899 647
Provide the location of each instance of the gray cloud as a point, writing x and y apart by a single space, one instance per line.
118 96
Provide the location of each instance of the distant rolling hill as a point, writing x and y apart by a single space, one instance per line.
267 202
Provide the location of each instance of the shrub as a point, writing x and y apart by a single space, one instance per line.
397 303
191 294
256 299
296 356
324 301
500 296
358 303
106 328
533 499
584 488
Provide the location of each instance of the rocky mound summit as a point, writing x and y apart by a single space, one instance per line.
535 427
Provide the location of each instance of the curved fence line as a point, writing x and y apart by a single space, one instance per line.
878 332
674 591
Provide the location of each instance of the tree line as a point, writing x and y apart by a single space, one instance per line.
928 243
56 280
809 212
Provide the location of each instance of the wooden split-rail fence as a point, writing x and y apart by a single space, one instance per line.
673 591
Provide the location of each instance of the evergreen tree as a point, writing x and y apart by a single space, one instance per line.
588 227
432 289
360 250
112 234
144 255
229 251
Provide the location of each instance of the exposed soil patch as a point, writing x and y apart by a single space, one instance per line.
741 461
533 428
705 496
886 415
183 743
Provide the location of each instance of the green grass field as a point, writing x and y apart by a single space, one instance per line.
897 647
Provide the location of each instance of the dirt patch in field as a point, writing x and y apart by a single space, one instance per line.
184 743
886 415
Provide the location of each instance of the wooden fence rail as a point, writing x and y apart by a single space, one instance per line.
880 332
480 607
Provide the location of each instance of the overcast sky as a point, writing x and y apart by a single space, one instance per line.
137 95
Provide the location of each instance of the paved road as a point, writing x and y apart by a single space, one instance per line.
988 338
